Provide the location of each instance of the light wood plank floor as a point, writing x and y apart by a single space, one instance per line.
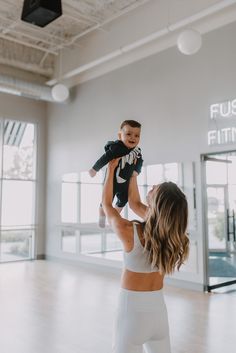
50 307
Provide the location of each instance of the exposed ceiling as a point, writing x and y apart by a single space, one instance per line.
34 49
94 33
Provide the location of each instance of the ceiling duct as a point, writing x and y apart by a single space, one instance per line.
19 87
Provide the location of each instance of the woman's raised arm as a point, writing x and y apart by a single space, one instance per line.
119 225
135 202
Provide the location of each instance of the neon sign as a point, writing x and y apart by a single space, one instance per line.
223 110
221 136
221 115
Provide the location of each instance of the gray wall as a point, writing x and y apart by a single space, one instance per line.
18 108
169 93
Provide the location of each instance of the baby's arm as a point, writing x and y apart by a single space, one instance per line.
113 150
103 160
110 154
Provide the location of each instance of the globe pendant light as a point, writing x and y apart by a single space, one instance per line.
189 41
60 92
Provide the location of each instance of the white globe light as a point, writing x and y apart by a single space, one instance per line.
60 93
189 41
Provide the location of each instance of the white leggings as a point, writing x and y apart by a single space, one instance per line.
141 323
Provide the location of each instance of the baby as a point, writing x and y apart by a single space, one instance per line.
130 163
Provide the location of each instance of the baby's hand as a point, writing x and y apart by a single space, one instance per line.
92 172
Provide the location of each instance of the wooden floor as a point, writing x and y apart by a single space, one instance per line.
49 307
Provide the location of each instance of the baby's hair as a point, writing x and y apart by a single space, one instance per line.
132 123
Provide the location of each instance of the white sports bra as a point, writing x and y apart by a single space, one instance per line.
136 260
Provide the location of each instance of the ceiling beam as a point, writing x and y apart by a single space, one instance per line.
125 35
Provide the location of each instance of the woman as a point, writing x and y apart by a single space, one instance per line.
151 249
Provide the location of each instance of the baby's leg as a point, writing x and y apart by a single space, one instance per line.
102 217
122 197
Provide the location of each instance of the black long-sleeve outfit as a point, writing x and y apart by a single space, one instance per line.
131 160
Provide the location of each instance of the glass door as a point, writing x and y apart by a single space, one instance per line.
216 215
220 201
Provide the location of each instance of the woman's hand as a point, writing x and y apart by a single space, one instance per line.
113 164
107 195
119 225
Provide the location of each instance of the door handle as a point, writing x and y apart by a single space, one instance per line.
228 230
234 235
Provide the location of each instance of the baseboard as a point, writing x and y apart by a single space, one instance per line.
184 284
41 257
100 267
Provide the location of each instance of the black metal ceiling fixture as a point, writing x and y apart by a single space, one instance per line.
41 12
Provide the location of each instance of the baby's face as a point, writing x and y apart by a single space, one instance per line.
130 136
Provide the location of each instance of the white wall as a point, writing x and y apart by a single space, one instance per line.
169 93
18 108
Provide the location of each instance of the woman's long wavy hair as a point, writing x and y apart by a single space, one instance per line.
165 228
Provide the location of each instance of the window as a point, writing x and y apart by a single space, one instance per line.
17 203
81 197
19 150
68 243
16 244
159 173
18 188
69 198
91 196
90 242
